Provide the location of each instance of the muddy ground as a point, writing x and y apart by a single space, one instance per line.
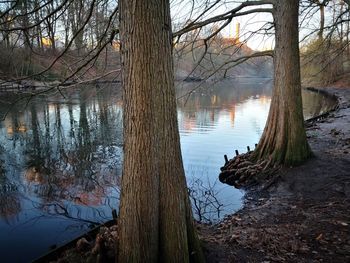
301 216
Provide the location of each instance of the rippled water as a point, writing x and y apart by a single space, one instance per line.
62 157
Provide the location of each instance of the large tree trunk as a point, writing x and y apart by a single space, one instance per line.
284 138
155 219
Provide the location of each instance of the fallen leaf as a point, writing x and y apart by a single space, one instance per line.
342 223
319 236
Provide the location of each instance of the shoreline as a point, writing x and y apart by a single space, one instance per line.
302 216
299 217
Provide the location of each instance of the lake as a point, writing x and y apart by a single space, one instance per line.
61 157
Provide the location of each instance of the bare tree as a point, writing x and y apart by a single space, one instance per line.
325 56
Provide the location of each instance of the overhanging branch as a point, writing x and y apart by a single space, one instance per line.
227 16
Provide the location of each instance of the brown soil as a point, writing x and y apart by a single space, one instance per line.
304 215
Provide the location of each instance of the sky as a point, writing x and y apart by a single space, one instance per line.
185 10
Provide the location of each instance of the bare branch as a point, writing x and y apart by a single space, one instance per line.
228 15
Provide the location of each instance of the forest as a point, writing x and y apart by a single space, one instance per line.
174 131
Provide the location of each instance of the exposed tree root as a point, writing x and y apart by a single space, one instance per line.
242 172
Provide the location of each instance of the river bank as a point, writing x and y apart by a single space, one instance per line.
303 216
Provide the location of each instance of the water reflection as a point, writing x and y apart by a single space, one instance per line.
216 120
10 204
316 103
61 158
202 110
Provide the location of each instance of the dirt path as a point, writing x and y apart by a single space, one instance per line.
305 215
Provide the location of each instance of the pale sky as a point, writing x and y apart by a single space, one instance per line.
183 11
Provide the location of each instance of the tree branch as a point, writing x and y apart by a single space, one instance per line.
228 15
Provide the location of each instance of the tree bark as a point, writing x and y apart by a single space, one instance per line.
284 138
155 220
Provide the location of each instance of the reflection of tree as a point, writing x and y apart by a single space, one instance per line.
84 146
10 204
15 128
35 146
103 115
71 119
84 130
315 103
203 107
204 199
67 156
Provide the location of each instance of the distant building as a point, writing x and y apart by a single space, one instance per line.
238 31
233 40
228 41
116 45
47 42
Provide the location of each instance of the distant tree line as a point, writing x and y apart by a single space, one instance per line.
53 24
